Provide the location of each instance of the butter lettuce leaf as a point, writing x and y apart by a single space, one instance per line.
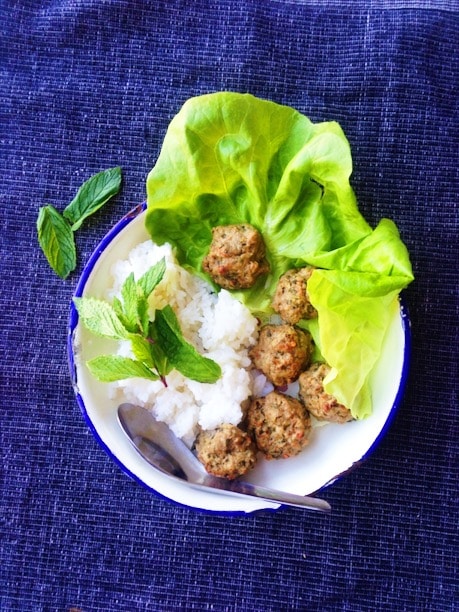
233 158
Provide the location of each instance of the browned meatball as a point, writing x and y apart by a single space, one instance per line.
227 452
282 353
280 425
236 257
319 403
291 299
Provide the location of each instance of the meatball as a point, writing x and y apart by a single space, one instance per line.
280 425
227 451
236 257
282 353
291 299
319 403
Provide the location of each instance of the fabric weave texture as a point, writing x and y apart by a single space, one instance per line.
90 84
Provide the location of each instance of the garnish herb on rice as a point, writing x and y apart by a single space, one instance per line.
158 346
56 231
231 158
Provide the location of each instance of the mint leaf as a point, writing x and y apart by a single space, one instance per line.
152 277
163 365
118 308
56 241
93 194
169 315
100 318
142 313
141 348
145 286
182 355
109 368
129 301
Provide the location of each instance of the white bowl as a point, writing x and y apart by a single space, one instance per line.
333 450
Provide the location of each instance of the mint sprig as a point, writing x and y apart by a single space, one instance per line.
157 346
56 231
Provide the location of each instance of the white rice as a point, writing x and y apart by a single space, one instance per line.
217 325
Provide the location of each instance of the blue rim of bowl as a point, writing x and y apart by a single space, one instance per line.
72 325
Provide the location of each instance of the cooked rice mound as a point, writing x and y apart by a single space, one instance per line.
218 325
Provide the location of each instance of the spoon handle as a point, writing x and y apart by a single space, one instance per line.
284 498
239 487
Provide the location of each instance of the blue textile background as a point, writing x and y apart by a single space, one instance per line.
89 84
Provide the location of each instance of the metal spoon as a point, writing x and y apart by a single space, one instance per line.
156 442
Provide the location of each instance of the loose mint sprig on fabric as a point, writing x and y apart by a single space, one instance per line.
56 231
158 346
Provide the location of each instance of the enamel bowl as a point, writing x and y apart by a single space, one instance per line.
333 450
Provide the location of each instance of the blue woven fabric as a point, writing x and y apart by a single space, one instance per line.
86 85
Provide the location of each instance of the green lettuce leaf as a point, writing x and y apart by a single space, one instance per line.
233 158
